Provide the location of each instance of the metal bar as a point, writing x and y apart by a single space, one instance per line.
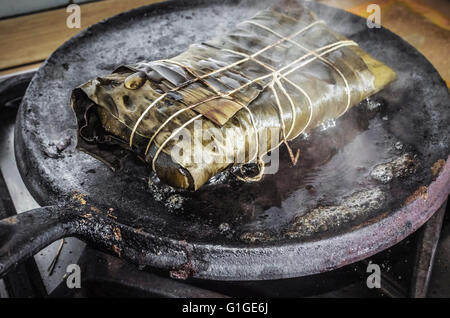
13 86
389 286
426 249
25 281
105 275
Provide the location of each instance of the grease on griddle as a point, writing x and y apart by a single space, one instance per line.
400 167
324 218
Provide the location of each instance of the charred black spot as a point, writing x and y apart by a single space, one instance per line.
127 101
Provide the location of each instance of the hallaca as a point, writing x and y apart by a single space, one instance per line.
228 101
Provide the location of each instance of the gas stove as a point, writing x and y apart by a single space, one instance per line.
416 267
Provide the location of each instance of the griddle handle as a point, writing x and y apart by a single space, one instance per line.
25 234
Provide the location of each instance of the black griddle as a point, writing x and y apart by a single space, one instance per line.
325 212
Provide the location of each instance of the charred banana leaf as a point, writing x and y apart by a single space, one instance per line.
275 76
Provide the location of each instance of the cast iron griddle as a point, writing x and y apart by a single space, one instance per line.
337 206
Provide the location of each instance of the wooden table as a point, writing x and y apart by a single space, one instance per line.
27 40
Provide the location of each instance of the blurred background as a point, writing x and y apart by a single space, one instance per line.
31 30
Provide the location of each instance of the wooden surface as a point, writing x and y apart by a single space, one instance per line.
31 38
26 41
424 24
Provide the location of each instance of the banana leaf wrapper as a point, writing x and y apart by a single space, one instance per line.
282 71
